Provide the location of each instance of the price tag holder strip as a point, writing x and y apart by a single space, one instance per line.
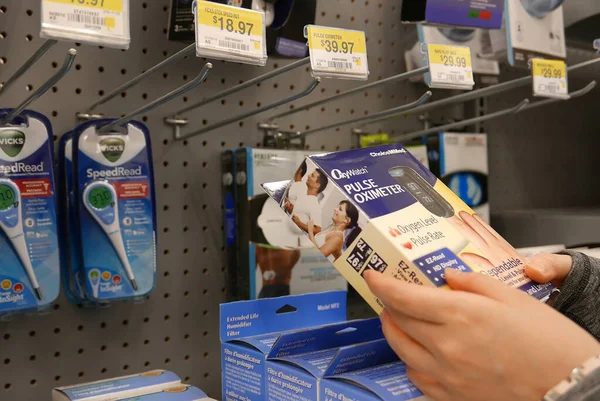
337 53
96 22
230 33
550 79
449 67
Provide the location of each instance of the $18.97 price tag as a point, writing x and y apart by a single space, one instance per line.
226 30
337 52
550 78
450 67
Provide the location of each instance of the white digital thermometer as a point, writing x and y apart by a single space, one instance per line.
100 199
11 222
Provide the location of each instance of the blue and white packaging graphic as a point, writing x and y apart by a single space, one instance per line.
115 210
118 388
460 160
250 329
179 393
298 361
29 255
470 13
387 212
534 29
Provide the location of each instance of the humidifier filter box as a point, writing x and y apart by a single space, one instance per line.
382 210
468 13
118 388
461 162
533 32
249 330
274 257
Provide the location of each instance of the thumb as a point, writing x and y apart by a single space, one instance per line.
544 268
481 284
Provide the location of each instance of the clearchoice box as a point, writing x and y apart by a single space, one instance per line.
383 210
118 388
251 329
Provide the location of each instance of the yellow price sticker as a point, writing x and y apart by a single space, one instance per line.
230 19
556 69
105 5
449 56
337 41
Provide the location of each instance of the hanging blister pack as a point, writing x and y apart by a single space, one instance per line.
70 266
96 22
29 258
116 212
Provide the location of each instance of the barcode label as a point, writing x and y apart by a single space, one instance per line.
86 19
340 65
234 45
553 88
455 77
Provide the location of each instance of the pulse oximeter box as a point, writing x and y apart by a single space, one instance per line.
382 210
118 388
251 330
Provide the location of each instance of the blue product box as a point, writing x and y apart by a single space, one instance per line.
472 13
250 330
118 388
179 393
296 370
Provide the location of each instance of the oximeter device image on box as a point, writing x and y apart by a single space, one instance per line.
11 222
100 200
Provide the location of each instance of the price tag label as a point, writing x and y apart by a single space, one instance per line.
338 52
99 16
550 78
450 67
222 29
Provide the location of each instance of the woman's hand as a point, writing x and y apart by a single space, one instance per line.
482 341
544 268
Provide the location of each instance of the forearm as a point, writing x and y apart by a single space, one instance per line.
580 292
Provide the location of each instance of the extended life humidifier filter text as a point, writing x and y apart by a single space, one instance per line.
11 222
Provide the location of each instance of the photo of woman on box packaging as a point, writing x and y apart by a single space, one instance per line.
333 240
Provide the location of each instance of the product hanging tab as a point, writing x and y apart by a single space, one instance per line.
96 22
449 67
230 33
337 53
550 78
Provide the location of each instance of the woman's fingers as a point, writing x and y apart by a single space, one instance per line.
428 386
477 260
407 349
429 304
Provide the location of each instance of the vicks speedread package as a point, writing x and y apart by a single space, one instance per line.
382 210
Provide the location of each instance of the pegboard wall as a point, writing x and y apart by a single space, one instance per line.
177 328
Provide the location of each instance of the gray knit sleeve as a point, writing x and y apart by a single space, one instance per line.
579 298
587 390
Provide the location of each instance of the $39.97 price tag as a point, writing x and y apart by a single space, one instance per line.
337 52
450 67
550 78
226 30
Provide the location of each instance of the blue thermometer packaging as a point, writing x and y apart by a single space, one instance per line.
179 393
383 210
115 211
119 388
29 257
468 13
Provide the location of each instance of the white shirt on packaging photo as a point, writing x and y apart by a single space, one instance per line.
297 190
307 208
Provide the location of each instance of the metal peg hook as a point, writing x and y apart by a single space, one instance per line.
177 56
396 78
44 88
478 93
228 121
160 101
424 98
245 85
459 124
573 95
27 65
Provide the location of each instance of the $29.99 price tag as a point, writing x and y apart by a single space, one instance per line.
450 67
226 29
550 78
337 52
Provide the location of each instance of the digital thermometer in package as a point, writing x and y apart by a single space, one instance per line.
11 222
100 200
